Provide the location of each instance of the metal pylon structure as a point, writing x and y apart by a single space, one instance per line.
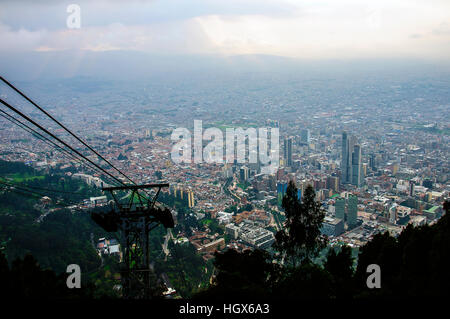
135 221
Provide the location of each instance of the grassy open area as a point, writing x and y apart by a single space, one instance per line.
206 221
22 177
243 186
136 199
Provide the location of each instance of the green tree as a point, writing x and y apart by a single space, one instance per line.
301 239
340 267
415 264
241 274
27 280
307 281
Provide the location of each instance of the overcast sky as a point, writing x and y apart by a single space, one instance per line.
294 28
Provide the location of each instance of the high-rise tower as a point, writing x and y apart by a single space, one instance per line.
352 214
356 166
345 159
305 136
288 151
340 208
351 161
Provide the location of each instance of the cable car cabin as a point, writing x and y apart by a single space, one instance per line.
110 221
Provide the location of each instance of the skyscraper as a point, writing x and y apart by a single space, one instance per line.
345 178
190 199
356 166
412 186
351 161
243 173
288 151
333 183
305 136
352 210
372 162
340 208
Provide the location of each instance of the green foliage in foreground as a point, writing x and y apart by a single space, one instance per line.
25 279
63 237
415 264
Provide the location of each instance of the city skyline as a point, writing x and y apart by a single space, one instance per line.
177 149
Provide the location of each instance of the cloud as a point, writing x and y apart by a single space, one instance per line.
52 14
186 37
442 29
347 31
415 36
20 40
312 29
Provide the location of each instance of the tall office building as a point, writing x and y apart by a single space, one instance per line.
340 208
288 151
412 186
345 159
351 161
272 123
190 198
333 183
356 166
305 136
372 162
185 195
243 173
352 214
227 171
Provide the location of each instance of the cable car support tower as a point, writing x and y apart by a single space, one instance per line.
135 219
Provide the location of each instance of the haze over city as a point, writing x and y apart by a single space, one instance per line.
355 95
178 30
